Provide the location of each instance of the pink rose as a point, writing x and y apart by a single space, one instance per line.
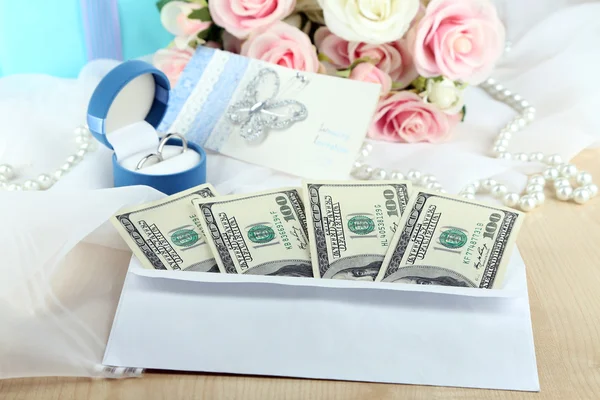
174 17
241 17
367 72
405 117
284 45
172 62
333 47
461 40
392 58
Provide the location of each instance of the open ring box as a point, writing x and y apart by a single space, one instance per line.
123 113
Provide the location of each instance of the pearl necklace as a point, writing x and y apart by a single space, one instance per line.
557 175
83 138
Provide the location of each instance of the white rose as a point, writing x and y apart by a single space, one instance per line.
370 21
445 95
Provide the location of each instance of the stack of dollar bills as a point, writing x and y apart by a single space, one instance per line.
373 231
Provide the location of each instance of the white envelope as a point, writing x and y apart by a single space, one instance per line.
326 329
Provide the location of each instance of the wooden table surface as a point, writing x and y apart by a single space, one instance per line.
560 244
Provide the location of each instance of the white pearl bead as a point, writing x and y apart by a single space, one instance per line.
564 193
504 135
81 130
511 199
523 104
468 196
527 203
436 185
529 117
413 175
554 159
469 189
88 146
537 156
537 180
584 178
82 139
560 182
66 167
476 185
81 153
7 171
2 185
568 170
498 191
442 191
550 174
74 159
31 185
496 150
14 187
581 195
516 98
501 143
425 179
3 178
356 166
513 128
520 122
367 147
430 185
396 175
488 184
59 173
45 181
379 174
521 157
505 156
539 197
364 172
534 188
593 189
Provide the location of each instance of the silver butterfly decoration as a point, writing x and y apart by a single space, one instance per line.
260 111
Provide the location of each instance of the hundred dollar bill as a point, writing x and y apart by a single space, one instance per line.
260 234
167 234
446 240
351 225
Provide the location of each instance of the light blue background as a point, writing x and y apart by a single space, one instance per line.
46 36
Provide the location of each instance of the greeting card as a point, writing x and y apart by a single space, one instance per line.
305 124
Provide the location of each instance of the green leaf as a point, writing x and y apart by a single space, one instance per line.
419 84
161 3
203 34
323 57
345 73
464 113
398 85
202 14
202 3
359 61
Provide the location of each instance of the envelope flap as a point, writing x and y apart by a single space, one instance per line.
512 287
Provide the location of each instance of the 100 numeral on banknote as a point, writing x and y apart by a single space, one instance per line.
260 234
351 226
449 241
167 234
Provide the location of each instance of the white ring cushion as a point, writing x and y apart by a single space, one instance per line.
133 138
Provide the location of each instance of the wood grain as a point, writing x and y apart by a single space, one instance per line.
560 244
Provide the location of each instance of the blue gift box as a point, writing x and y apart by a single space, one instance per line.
146 102
60 37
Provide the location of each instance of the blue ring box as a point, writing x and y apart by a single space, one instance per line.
100 104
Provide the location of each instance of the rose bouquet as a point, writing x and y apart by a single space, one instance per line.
422 53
